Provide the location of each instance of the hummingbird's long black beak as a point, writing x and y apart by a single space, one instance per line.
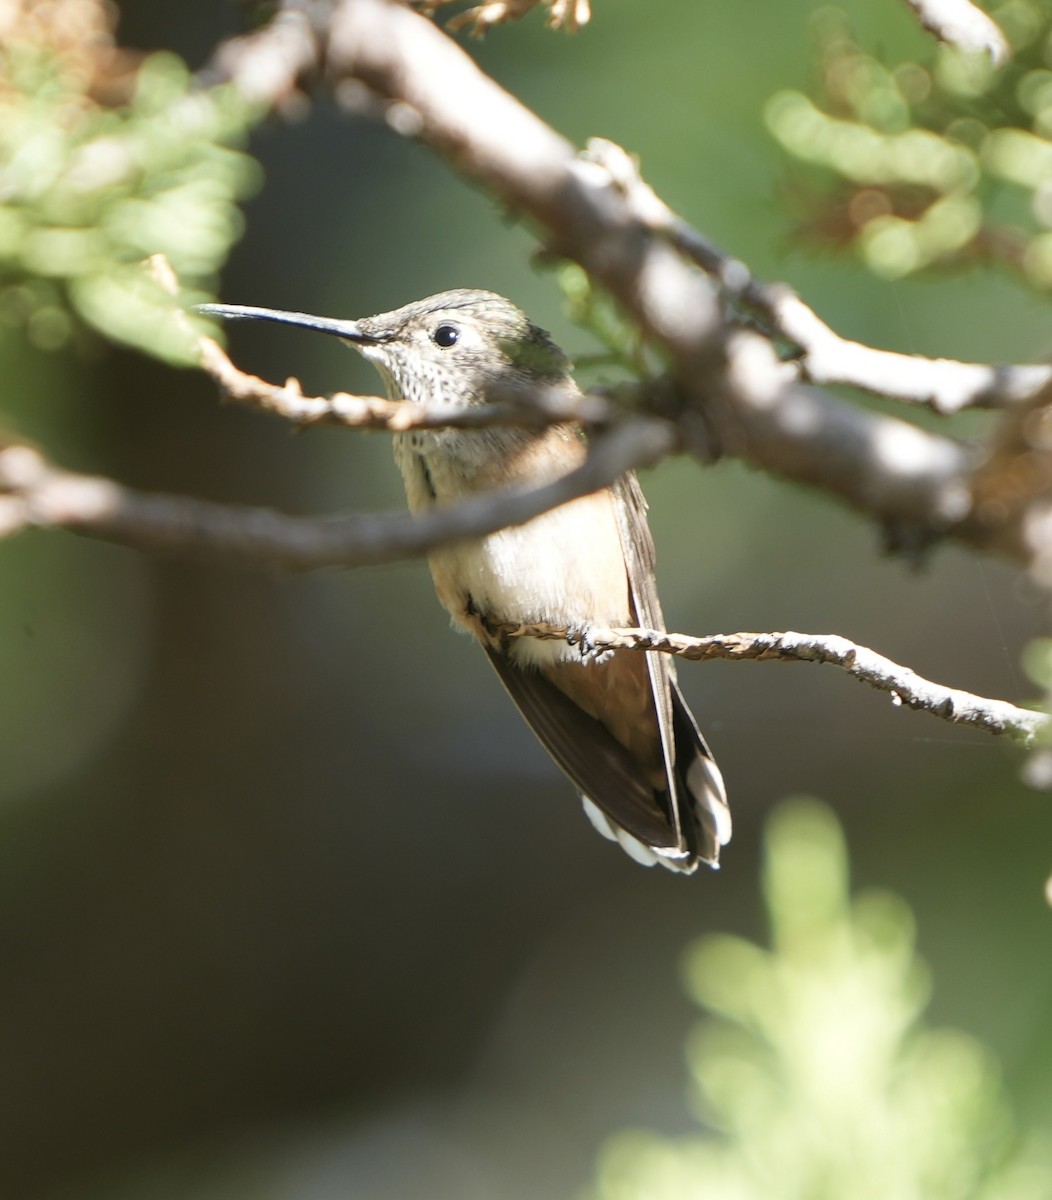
348 330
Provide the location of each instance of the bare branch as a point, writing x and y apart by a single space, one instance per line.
541 407
34 494
964 25
269 63
436 91
943 384
915 482
425 109
905 686
439 94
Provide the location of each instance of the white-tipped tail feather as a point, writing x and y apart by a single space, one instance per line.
704 779
670 857
644 855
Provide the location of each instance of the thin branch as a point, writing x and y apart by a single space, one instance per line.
536 407
905 686
35 494
964 25
824 356
270 63
944 385
543 406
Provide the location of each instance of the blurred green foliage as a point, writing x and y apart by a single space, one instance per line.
940 161
814 1065
106 159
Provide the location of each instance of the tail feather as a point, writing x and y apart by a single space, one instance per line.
700 785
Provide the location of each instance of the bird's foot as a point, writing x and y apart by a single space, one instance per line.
584 639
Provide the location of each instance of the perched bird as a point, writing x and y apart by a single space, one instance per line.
616 723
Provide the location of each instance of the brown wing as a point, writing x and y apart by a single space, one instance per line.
593 759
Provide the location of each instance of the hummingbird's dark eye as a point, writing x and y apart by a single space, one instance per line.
445 335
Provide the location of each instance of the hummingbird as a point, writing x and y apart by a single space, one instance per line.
615 722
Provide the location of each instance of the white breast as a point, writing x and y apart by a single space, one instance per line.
565 567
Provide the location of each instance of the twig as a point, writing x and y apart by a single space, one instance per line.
35 494
543 406
964 25
905 685
824 356
537 407
944 385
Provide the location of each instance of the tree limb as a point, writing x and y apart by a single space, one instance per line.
824 356
905 685
436 92
383 57
35 494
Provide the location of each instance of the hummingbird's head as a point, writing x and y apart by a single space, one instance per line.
460 347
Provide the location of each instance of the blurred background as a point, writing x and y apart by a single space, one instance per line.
291 902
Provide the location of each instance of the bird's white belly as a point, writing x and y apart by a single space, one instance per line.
565 567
